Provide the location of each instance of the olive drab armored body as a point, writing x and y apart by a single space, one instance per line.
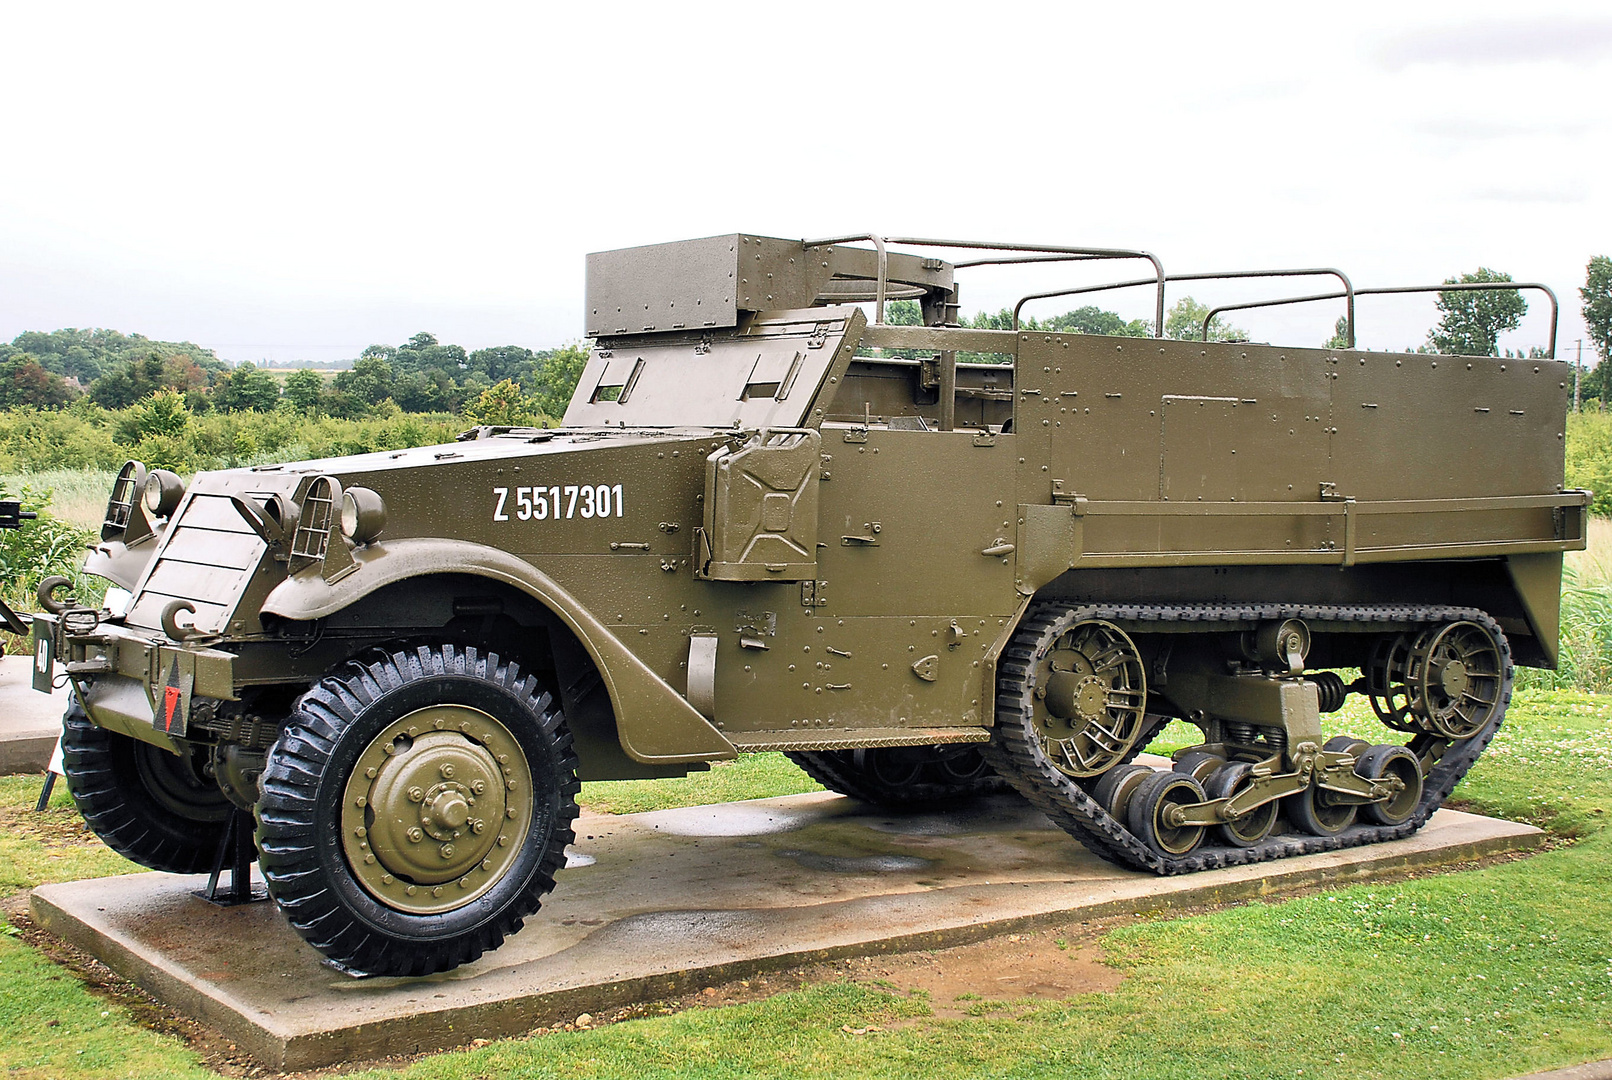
926 561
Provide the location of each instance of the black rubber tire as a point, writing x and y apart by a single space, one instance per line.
1198 764
1258 824
1346 744
1110 782
1375 764
299 814
1310 811
1142 816
897 776
148 805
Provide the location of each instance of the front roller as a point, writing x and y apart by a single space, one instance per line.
416 809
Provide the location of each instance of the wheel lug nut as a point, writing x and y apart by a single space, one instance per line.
446 769
477 825
446 851
415 835
416 794
478 786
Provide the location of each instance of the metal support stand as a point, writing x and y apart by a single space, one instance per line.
44 792
234 848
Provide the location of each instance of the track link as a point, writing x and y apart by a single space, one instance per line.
1019 759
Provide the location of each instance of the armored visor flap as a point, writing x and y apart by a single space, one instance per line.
766 372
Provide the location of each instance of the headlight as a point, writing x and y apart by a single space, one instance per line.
363 515
163 490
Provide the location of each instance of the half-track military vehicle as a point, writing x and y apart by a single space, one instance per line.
773 520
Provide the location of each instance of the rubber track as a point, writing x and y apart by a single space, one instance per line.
833 772
1077 813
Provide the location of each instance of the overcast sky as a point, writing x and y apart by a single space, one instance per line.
298 181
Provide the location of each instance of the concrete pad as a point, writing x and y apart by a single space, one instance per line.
655 904
29 721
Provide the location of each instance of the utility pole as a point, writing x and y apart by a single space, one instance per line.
1578 366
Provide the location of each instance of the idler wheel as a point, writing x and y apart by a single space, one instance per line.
1458 680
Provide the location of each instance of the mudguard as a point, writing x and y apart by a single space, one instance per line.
654 722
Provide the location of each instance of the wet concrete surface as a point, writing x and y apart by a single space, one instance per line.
656 904
29 721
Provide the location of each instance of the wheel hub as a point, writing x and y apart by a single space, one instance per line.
434 808
1452 677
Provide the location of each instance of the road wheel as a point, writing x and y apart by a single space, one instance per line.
1315 811
155 808
1148 814
1252 827
416 809
904 775
1399 766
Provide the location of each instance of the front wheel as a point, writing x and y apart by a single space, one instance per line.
416 809
158 809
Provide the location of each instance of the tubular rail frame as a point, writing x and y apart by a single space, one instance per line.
1459 286
1348 289
1038 253
884 264
1050 253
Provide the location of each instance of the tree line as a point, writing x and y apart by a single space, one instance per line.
422 375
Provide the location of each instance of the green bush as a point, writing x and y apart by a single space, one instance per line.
1589 457
42 547
162 433
1585 661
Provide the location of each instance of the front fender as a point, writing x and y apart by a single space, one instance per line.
654 722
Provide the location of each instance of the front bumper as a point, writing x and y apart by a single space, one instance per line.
136 682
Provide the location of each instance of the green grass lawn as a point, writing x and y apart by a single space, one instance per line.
1484 973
